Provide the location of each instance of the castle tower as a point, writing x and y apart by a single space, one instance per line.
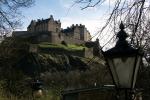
49 24
31 27
53 25
81 33
76 32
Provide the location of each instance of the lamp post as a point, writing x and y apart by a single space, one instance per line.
123 61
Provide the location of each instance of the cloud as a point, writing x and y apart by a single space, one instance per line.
66 3
93 25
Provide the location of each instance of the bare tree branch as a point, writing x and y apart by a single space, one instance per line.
10 14
135 16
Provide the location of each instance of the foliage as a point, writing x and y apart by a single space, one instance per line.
13 80
54 62
69 47
96 75
64 43
143 82
56 71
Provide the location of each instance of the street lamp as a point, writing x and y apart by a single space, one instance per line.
123 61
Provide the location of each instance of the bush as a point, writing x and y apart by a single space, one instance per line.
64 43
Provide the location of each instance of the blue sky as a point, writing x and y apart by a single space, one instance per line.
92 18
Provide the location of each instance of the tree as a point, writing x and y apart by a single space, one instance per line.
134 14
10 14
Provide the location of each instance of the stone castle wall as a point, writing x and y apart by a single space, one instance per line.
72 40
88 52
49 30
44 25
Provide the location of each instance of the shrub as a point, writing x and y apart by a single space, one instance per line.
64 43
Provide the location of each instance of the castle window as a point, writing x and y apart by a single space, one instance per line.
57 30
44 36
59 35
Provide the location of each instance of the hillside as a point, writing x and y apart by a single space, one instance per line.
58 71
67 49
62 57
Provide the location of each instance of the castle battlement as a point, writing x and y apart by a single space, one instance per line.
48 24
49 30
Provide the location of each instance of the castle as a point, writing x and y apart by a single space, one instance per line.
49 30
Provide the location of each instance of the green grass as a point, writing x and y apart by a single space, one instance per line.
69 47
49 95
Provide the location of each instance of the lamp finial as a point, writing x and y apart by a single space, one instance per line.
122 35
121 26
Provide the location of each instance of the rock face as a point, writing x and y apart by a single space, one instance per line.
49 30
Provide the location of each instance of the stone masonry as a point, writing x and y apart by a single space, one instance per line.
49 30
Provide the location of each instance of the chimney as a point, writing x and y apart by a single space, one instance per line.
58 21
38 20
72 25
51 17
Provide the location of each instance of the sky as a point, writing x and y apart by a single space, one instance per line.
92 18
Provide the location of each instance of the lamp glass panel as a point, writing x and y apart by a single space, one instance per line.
122 70
138 62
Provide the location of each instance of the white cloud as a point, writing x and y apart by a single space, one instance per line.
66 3
92 25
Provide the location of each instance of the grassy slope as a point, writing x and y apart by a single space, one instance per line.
69 47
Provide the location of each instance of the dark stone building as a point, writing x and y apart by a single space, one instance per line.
49 30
